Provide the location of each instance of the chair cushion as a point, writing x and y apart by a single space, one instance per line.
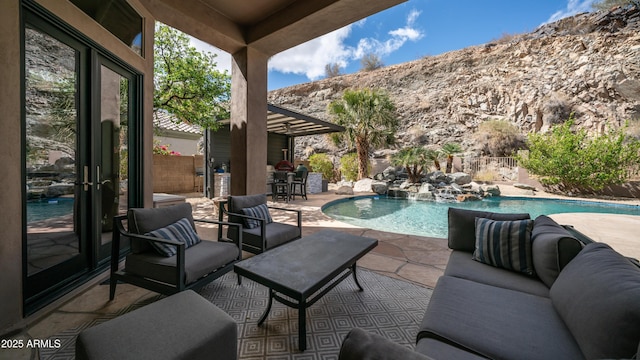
552 248
237 203
260 211
461 265
275 234
462 226
200 260
180 231
497 323
504 244
597 295
142 221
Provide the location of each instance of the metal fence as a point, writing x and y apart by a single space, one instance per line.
498 168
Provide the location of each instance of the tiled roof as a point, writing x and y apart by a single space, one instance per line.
165 121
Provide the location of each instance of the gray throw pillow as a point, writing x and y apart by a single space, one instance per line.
504 244
261 211
180 231
553 247
462 225
597 295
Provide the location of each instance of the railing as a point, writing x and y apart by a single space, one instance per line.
499 168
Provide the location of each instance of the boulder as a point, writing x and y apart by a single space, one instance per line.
524 186
460 178
363 185
379 187
344 190
438 177
389 173
492 190
425 188
467 197
397 193
424 196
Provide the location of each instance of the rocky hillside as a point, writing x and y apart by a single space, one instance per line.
588 64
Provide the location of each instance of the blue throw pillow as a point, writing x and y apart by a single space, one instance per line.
505 244
180 231
260 211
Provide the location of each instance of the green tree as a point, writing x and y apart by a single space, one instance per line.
349 166
322 164
186 82
369 118
434 156
370 62
608 4
414 160
573 161
449 150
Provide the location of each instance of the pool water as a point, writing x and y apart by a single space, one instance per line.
39 210
429 218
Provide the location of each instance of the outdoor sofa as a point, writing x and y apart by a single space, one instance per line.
580 299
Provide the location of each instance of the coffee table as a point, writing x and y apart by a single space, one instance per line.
309 266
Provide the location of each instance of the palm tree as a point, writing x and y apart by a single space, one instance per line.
369 119
414 159
434 156
449 150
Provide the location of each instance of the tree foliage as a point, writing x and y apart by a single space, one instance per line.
573 161
186 81
415 160
370 62
332 70
370 121
349 166
449 150
608 4
322 164
499 138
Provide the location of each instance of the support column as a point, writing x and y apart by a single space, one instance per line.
248 122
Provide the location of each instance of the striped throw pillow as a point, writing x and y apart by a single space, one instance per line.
260 211
181 231
505 244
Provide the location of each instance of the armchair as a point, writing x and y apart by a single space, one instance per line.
259 233
165 265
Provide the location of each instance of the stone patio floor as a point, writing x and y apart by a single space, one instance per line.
420 260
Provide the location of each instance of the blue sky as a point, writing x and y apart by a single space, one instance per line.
410 31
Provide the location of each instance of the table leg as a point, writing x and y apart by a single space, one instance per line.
302 326
355 277
266 312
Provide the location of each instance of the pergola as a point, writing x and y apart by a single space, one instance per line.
252 31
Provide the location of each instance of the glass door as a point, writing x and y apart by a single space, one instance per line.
56 171
80 112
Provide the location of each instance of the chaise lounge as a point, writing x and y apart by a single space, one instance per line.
551 294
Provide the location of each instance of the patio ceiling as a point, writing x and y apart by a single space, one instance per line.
270 26
287 122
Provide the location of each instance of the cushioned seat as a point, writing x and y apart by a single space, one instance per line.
460 319
266 234
181 326
199 261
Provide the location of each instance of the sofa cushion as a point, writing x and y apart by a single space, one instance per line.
461 265
200 260
497 323
504 244
144 220
180 231
362 345
275 234
597 295
259 211
462 225
552 248
437 349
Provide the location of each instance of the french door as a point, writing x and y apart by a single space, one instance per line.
80 112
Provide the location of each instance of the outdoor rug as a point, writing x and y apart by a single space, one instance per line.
389 307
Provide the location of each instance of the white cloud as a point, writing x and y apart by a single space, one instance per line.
573 7
310 58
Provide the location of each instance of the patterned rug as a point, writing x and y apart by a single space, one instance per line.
388 307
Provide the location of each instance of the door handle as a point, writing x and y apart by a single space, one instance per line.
85 181
102 182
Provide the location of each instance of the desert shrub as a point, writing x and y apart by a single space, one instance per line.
573 161
486 176
322 163
332 70
557 110
499 138
370 62
349 166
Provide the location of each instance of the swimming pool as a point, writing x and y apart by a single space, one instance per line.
38 210
429 218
